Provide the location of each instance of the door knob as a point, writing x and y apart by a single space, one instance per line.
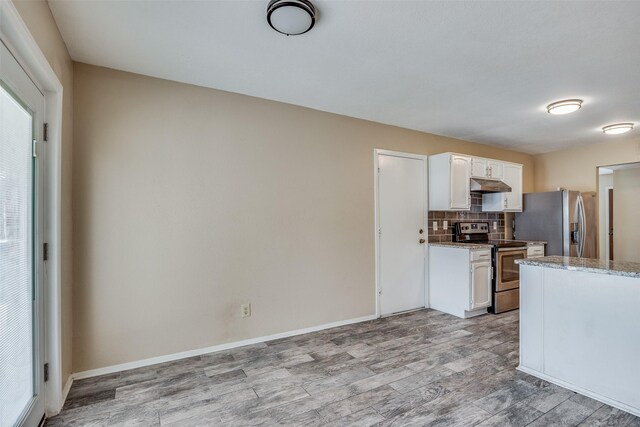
422 240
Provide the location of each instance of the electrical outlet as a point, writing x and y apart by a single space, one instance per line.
445 225
435 225
495 225
245 310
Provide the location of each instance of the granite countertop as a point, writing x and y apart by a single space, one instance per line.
461 245
616 268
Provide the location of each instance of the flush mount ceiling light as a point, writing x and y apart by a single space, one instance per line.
617 128
291 17
565 106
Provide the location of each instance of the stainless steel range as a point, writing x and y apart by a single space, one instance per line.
506 273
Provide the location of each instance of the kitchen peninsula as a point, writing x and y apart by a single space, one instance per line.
579 326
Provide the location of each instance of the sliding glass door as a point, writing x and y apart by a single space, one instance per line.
21 264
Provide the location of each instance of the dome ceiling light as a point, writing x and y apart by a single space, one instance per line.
617 128
565 106
291 17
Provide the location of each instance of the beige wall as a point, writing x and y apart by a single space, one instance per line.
626 207
189 202
576 169
39 20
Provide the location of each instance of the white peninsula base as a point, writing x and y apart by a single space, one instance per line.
580 327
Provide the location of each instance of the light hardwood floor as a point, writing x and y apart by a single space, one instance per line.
419 368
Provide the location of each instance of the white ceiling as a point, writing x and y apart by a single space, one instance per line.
480 71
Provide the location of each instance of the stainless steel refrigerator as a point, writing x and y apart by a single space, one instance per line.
565 219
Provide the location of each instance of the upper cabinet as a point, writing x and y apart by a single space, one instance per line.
449 183
449 176
506 202
479 168
486 168
496 169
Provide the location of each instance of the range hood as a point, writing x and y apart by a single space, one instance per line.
480 185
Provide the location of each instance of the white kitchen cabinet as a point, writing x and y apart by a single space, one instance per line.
496 169
535 251
486 168
460 280
479 168
506 202
449 176
481 276
513 178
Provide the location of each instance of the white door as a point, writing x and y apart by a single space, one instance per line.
480 284
21 264
460 176
496 169
513 178
402 216
478 168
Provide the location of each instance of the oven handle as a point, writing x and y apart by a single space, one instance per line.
502 250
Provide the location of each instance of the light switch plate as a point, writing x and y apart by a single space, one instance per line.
495 225
435 225
445 224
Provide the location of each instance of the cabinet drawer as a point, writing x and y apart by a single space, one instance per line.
484 255
535 251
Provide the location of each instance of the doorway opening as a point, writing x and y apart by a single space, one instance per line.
619 200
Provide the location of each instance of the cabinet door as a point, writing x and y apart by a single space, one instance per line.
480 285
513 178
496 169
478 168
460 171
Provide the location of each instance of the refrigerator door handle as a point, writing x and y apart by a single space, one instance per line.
578 227
581 226
584 226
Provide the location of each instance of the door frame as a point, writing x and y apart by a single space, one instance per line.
425 211
16 36
19 86
608 221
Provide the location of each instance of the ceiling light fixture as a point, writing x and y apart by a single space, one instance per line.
291 17
617 128
565 106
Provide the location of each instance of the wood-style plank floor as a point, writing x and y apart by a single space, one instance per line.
419 368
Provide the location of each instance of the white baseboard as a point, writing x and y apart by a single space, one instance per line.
588 393
65 390
197 352
63 398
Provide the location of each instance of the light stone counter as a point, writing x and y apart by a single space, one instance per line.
461 245
617 268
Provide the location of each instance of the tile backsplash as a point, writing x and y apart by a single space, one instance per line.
475 214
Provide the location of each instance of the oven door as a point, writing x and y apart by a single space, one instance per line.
508 272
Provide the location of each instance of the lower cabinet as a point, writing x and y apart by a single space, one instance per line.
535 251
481 275
460 280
